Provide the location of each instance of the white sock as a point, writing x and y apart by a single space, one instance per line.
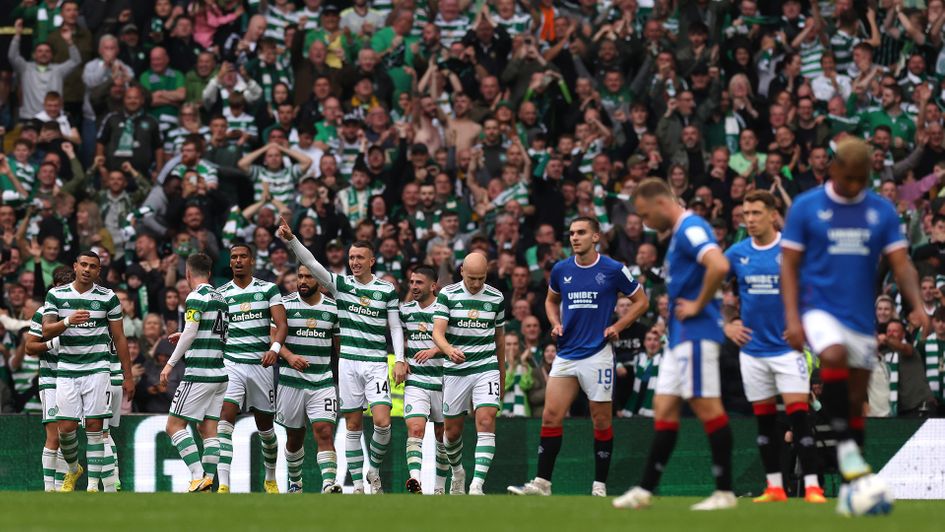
61 469
414 457
225 433
355 457
270 452
95 454
775 480
187 449
49 469
810 481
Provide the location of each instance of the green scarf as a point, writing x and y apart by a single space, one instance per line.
126 143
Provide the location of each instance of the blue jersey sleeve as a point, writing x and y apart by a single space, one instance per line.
732 254
893 238
697 238
625 282
794 235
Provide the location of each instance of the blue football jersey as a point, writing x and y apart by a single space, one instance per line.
757 270
588 298
692 238
842 241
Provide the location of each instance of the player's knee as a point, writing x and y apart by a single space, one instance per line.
833 357
601 422
485 423
354 421
323 433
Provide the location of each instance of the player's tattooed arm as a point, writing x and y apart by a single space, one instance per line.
278 335
907 279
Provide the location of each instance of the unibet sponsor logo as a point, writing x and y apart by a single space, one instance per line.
311 333
367 311
246 316
472 324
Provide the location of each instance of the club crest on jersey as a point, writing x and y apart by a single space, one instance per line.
326 316
257 296
96 305
408 408
487 306
600 278
244 307
473 314
872 216
376 296
311 323
364 301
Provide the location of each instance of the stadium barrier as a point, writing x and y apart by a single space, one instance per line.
148 461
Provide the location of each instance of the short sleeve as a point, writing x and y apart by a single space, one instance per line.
626 284
441 309
730 255
500 317
553 283
178 79
36 325
114 308
51 307
893 238
697 239
393 302
194 305
274 297
794 234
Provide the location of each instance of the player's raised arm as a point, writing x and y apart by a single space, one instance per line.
907 279
304 255
716 268
790 270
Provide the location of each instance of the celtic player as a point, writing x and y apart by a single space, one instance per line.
83 314
199 396
423 371
307 394
252 305
469 327
48 351
367 308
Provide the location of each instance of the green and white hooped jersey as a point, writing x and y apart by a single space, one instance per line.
84 349
311 331
203 362
48 360
23 377
362 316
418 336
472 321
281 182
247 337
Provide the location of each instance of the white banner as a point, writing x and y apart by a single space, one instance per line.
147 468
917 471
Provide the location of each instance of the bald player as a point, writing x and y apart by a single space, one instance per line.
832 243
469 328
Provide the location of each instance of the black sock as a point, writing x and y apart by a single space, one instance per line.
768 444
858 430
548 451
720 440
603 449
835 398
803 438
660 450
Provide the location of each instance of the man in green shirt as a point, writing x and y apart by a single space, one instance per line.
396 47
197 79
891 115
44 17
166 86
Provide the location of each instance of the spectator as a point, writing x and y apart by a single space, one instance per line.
40 76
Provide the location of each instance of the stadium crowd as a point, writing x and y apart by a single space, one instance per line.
432 128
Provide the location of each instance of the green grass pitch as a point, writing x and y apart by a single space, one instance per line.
389 513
